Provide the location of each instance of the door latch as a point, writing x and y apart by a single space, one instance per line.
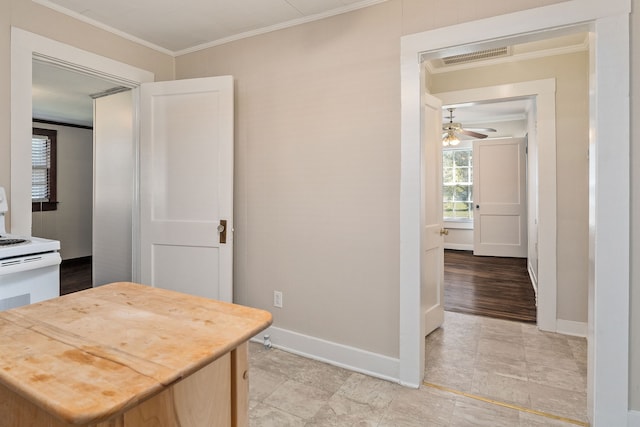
444 232
222 230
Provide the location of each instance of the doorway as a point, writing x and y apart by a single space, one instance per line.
26 47
486 208
608 334
92 216
542 167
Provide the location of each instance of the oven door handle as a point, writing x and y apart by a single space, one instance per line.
29 262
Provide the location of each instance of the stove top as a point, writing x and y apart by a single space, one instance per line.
14 246
6 241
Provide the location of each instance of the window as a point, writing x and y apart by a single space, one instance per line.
43 170
457 184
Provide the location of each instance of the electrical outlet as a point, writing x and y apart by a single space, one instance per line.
277 299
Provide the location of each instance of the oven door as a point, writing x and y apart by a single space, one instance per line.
28 279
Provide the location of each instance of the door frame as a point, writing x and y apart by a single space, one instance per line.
608 344
24 47
544 92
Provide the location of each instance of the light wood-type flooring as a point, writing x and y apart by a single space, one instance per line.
479 371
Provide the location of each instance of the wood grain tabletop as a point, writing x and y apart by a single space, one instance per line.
86 356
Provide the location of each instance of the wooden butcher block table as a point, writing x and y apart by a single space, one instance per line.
126 355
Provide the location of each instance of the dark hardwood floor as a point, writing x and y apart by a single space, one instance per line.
488 286
75 275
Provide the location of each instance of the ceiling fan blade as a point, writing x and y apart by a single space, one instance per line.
472 134
481 129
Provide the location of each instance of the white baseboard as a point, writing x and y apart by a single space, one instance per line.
354 359
569 327
458 246
634 419
534 281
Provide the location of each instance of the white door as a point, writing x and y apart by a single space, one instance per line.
500 198
186 186
113 178
432 241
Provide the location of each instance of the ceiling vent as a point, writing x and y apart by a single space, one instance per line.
476 56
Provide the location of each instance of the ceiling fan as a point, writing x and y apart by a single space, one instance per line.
451 131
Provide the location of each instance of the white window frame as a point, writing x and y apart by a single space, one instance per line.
465 222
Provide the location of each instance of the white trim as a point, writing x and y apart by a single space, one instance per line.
609 324
544 91
609 189
634 419
280 26
354 359
534 280
458 225
458 246
569 327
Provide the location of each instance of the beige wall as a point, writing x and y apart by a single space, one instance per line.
317 174
317 166
71 222
572 132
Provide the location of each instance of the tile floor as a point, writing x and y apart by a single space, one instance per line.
495 359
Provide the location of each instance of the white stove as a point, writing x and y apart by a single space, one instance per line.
29 266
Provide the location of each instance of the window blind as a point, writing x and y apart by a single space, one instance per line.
40 165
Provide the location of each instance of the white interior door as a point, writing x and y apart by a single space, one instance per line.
113 188
500 198
186 186
432 241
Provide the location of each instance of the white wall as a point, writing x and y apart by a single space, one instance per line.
71 222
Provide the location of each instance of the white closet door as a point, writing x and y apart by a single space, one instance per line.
113 188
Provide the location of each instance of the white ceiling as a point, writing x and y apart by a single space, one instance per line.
508 117
180 26
64 96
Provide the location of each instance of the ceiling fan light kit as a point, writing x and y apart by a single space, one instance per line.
450 139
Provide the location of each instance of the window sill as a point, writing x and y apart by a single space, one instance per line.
458 225
44 206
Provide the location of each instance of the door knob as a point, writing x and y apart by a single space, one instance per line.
222 229
444 232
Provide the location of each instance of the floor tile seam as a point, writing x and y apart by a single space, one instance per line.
281 410
507 405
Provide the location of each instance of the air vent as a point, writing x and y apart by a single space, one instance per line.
476 56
